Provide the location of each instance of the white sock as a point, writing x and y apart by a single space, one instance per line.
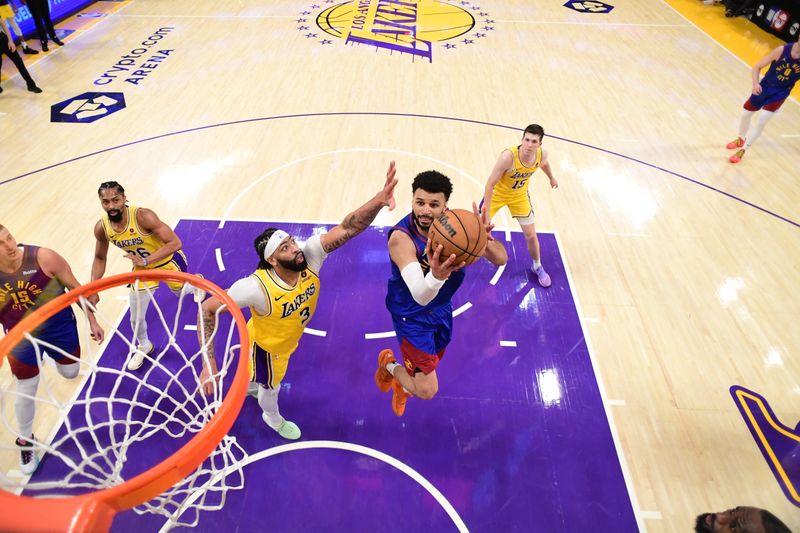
70 370
391 366
755 130
26 407
139 302
536 264
744 123
268 400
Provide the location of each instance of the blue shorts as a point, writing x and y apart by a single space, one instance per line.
771 98
61 331
423 338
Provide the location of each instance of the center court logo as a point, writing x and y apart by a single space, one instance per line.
87 107
410 28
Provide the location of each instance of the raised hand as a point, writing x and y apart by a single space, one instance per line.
441 270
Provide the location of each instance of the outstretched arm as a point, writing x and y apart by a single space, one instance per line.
360 219
56 266
206 327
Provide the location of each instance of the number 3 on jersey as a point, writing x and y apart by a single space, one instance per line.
306 314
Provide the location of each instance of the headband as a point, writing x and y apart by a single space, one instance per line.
273 243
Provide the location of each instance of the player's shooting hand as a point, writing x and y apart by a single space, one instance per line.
387 194
441 270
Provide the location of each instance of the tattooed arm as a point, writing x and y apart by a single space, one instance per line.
360 219
206 328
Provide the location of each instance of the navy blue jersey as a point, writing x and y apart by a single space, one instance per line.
398 299
784 72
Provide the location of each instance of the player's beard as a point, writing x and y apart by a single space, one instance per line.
114 218
423 226
293 265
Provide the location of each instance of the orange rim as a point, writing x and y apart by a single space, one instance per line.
95 511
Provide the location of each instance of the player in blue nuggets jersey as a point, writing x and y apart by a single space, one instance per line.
30 277
768 94
419 293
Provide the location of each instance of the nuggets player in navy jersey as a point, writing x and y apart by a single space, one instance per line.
282 296
509 186
769 93
148 243
30 277
419 293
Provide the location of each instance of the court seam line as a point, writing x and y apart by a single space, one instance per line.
599 24
405 115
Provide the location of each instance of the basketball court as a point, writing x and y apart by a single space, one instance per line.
655 380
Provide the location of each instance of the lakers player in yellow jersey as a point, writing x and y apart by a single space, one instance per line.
148 243
282 296
509 186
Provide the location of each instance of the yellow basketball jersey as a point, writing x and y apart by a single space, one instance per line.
289 310
515 181
133 239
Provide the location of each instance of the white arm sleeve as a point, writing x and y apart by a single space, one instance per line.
423 288
247 292
314 253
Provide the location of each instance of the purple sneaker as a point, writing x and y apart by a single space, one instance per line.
542 276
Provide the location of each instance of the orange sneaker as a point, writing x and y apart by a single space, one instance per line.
383 379
734 144
399 398
735 158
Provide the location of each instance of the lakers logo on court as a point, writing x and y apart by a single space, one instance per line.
415 28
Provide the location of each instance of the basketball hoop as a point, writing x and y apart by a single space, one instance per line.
202 463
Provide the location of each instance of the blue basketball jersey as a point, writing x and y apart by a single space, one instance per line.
784 72
398 299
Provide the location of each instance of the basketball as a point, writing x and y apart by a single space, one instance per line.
459 232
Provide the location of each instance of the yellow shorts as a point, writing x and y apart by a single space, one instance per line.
266 368
7 13
519 205
176 264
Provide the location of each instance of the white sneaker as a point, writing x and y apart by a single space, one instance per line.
28 460
138 356
287 430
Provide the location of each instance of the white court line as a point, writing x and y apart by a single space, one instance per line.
509 344
626 474
568 23
190 327
650 515
334 445
461 309
220 264
382 335
497 275
334 152
254 17
315 332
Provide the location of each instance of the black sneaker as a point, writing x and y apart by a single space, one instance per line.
34 89
28 461
59 42
44 47
30 51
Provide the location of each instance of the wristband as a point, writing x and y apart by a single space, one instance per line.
144 261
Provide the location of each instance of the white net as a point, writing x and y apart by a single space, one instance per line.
114 423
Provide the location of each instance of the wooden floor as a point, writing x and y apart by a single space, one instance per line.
686 266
